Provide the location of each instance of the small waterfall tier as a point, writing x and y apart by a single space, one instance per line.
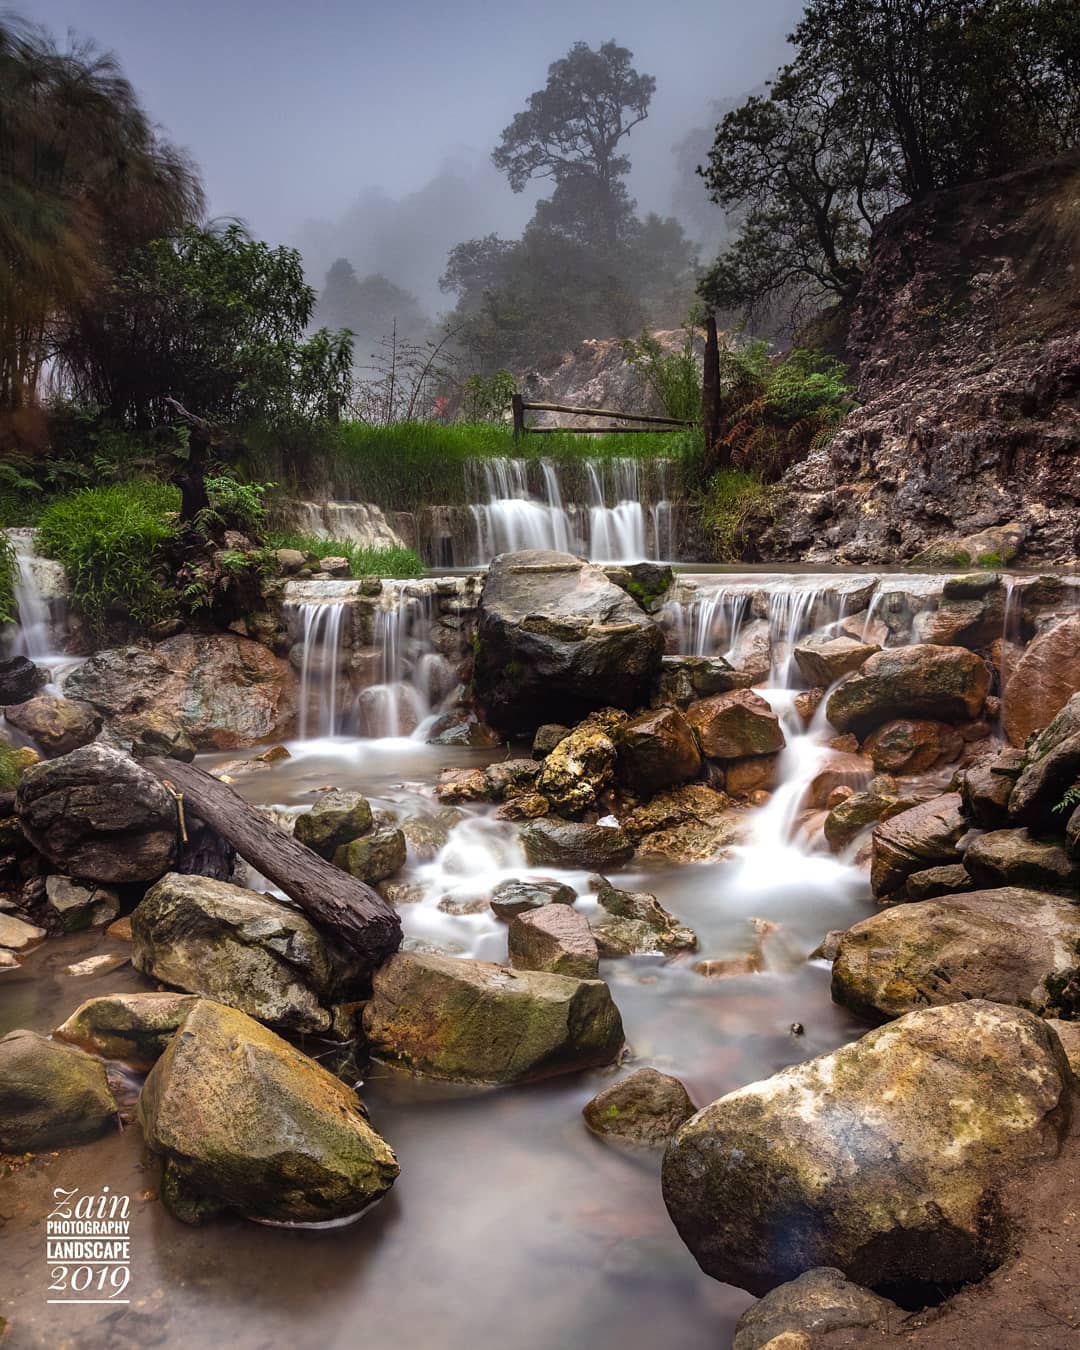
41 596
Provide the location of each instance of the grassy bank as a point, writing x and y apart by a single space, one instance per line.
363 562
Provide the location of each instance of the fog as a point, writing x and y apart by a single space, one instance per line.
348 128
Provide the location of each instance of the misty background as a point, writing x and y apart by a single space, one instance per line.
364 131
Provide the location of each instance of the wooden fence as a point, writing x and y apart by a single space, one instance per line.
521 407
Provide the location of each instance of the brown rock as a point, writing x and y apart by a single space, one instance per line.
1043 680
822 660
756 774
924 680
646 1108
736 725
55 724
657 749
912 745
555 938
921 837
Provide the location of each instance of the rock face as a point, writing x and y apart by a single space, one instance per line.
474 1021
884 1159
1042 680
56 725
133 1028
923 836
580 767
646 1108
820 1301
557 639
656 750
50 1095
948 684
99 815
912 745
226 692
561 843
735 725
246 1122
1008 945
555 938
238 948
336 819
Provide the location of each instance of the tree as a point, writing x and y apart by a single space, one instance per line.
371 309
571 132
84 176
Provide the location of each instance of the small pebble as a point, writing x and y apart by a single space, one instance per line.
797 1028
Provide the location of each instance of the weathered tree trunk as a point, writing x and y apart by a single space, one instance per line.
717 456
333 899
192 483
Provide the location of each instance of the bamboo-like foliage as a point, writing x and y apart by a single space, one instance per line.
84 175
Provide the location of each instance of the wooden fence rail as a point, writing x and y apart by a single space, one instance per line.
521 407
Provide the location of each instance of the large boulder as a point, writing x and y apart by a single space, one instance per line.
573 844
1051 766
1015 858
885 1159
245 1122
56 725
656 750
50 1095
557 639
578 770
97 814
820 1301
1008 945
225 691
948 684
923 836
133 1028
735 725
239 948
337 818
822 659
646 1108
1042 680
554 938
474 1021
912 745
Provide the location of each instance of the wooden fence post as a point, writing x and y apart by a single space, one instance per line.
517 405
710 393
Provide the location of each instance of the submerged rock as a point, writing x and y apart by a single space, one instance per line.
556 639
818 1302
56 725
133 1028
1009 945
735 725
554 938
16 935
646 1108
571 844
510 898
97 814
884 1159
239 948
948 684
474 1021
245 1122
50 1095
337 818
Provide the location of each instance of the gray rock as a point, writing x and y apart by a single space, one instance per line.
373 857
56 725
554 938
563 843
337 818
132 1028
511 898
76 905
20 680
18 936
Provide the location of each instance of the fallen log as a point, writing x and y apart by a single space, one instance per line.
331 898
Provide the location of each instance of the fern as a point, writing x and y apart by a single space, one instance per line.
1070 800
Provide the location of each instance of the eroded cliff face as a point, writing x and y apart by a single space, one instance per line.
966 344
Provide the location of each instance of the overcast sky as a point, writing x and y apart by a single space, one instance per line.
292 107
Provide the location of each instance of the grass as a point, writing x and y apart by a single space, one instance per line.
397 563
109 540
9 569
725 505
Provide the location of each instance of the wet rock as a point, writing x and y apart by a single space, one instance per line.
692 823
555 639
684 679
818 1302
912 745
574 774
572 844
923 836
807 702
838 769
735 725
647 582
1015 858
985 788
151 732
1051 767
97 814
993 547
752 652
463 785
74 905
20 680
50 1095
56 725
104 964
646 1108
337 818
656 750
225 691
849 817
474 1021
511 777
635 923
1008 945
932 882
374 857
1042 680
245 950
759 773
948 684
511 898
132 1028
822 660
426 836
1068 1033
937 1111
16 935
461 727
963 620
547 738
554 938
246 1122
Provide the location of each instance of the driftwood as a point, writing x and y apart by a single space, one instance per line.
331 898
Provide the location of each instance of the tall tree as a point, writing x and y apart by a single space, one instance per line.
571 132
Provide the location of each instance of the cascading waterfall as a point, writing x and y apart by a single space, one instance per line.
34 636
320 670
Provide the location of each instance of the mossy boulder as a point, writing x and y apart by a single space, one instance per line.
239 948
479 1022
578 770
336 819
244 1122
56 725
946 684
656 750
735 725
574 844
646 1108
374 856
133 1028
1009 945
885 1159
50 1095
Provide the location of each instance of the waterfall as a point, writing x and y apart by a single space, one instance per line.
40 591
321 623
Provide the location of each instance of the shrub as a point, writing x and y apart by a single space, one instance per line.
109 540
9 569
675 377
726 503
397 563
234 505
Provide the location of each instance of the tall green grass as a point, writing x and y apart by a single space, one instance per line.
726 504
363 562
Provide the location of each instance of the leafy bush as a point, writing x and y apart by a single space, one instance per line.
487 400
726 503
9 569
363 562
675 377
234 505
109 540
